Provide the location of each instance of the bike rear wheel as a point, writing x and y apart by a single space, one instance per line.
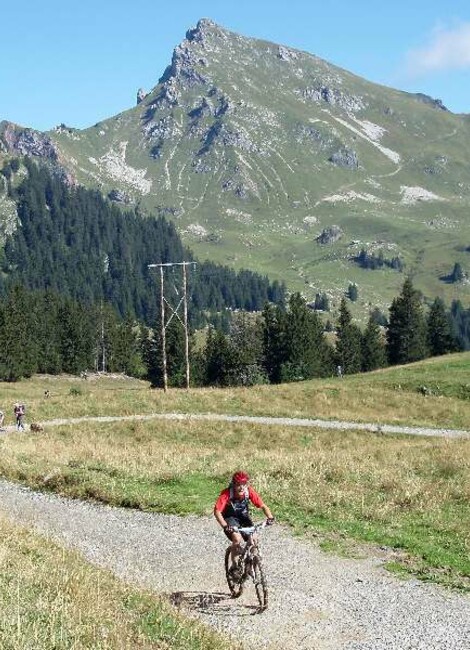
235 586
261 585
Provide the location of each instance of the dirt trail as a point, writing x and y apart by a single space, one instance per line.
273 421
317 601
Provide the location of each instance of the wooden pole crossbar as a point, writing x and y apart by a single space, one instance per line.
174 313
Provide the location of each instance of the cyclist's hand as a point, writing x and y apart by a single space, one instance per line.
269 521
229 529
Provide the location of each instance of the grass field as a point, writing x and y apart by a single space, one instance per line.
348 489
391 396
408 493
52 598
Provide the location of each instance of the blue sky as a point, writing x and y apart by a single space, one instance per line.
81 61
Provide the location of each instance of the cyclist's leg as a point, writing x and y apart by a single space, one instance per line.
235 538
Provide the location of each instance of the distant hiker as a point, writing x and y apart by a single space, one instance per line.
2 419
47 394
19 412
339 371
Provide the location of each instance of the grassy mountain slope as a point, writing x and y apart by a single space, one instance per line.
254 149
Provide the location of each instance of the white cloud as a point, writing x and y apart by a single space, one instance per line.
449 49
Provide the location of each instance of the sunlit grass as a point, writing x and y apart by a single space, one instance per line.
390 396
403 492
52 598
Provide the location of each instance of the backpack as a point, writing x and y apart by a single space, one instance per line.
240 506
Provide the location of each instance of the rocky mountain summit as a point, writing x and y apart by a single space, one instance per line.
255 150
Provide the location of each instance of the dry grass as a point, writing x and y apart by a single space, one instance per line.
404 492
51 598
389 396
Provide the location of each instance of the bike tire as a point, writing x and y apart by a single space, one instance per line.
236 587
261 586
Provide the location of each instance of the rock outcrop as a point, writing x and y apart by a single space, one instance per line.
330 235
345 158
430 101
334 97
28 142
141 95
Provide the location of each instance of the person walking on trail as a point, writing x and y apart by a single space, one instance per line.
231 511
2 420
19 411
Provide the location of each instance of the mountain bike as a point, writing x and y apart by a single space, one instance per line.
249 563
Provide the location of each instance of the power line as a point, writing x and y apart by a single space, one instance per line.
174 313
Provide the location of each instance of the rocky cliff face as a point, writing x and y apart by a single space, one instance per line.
27 142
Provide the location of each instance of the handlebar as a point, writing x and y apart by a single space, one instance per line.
250 530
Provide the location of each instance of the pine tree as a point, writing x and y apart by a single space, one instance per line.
373 347
77 337
460 324
439 335
222 362
151 356
348 342
47 333
406 333
306 351
274 341
18 349
246 336
352 292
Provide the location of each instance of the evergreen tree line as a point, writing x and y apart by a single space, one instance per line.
45 332
290 344
74 242
372 261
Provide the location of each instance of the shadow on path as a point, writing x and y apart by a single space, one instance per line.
216 603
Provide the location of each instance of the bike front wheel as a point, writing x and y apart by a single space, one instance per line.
235 586
261 585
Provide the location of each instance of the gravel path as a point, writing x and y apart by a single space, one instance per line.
278 421
317 601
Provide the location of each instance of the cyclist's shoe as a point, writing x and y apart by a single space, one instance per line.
236 572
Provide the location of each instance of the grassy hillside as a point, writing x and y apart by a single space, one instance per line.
389 396
253 149
411 494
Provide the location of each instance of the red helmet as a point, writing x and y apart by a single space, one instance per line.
240 477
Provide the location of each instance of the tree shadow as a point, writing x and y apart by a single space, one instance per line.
215 603
447 279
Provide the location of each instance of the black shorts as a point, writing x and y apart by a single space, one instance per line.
238 522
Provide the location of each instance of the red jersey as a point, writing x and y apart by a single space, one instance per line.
224 501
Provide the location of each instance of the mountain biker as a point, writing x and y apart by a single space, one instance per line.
231 511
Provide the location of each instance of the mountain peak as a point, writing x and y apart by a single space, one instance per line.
203 26
255 149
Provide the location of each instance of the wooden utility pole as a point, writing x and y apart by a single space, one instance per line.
163 331
174 312
103 346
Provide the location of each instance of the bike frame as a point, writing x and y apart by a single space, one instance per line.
250 545
250 562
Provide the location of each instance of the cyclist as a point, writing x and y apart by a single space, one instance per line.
231 511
